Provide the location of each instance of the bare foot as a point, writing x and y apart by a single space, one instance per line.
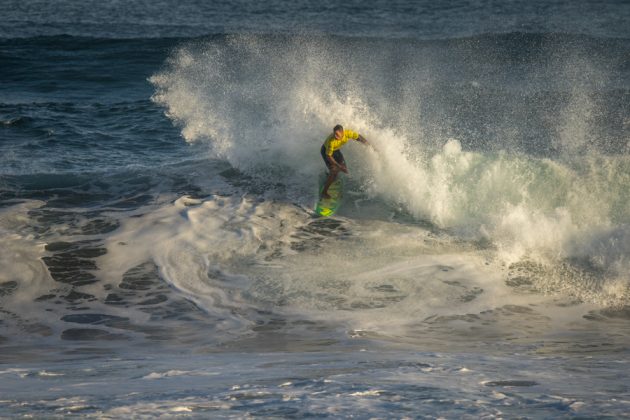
326 196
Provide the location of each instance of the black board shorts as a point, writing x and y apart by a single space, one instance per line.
336 155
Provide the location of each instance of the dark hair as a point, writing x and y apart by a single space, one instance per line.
338 127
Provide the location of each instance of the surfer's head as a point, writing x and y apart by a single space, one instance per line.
338 131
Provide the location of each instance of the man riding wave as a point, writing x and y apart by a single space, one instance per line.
331 153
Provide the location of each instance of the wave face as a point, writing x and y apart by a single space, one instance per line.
518 140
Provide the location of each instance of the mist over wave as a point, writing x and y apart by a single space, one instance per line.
517 141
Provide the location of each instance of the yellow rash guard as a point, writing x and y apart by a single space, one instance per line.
332 144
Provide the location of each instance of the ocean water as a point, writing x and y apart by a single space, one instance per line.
159 256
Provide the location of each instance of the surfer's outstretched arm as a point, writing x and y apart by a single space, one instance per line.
364 141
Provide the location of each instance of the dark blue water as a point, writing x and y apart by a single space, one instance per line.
158 167
423 19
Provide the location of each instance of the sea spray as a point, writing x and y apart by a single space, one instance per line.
265 103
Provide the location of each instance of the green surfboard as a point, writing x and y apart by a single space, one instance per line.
329 206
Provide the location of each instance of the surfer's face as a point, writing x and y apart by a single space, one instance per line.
338 134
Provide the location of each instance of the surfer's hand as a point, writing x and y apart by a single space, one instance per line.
343 168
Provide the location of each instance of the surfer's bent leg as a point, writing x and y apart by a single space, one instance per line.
332 175
333 170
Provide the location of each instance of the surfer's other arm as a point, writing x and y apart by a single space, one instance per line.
341 166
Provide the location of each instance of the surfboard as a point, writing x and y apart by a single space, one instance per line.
328 206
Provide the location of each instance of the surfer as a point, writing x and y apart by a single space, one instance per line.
331 153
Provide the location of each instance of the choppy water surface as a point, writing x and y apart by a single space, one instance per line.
160 257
